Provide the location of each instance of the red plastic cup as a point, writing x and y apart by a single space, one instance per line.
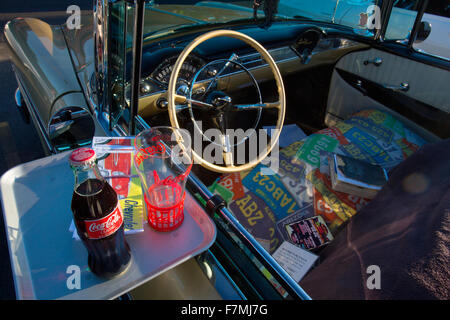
163 159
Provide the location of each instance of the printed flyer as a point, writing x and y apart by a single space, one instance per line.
115 162
303 213
296 261
310 233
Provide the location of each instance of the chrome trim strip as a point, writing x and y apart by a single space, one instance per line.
139 13
17 97
430 54
142 122
34 114
208 256
267 260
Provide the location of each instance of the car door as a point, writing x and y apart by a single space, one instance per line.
396 76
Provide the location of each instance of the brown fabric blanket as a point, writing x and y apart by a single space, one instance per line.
405 231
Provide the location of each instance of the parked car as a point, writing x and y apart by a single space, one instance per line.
432 39
244 65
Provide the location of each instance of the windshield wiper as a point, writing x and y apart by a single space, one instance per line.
173 28
302 17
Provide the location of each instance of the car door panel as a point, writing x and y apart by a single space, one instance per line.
432 119
358 82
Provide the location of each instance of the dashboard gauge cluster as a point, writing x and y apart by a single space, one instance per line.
310 41
161 75
158 80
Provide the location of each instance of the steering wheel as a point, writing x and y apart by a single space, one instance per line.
220 104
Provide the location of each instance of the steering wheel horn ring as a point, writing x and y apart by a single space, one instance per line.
220 103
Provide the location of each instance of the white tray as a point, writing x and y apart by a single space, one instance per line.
36 200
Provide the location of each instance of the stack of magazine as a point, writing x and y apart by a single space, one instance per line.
356 177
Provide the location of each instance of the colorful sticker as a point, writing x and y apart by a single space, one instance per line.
395 125
309 233
335 133
322 209
291 150
294 170
411 137
233 183
343 127
407 147
225 193
336 204
377 116
369 145
272 190
373 129
364 113
355 152
310 151
257 218
343 204
303 213
292 175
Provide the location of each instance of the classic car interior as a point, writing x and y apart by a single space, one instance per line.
375 100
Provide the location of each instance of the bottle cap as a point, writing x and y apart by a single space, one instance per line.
82 156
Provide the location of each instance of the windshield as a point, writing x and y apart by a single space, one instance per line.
166 17
363 16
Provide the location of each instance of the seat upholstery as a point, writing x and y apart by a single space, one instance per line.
301 188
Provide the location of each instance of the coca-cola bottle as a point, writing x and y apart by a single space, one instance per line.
98 216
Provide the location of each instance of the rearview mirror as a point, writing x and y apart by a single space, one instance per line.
423 32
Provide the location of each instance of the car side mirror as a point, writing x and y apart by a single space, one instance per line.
423 32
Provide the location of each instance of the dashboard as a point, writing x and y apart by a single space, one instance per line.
291 55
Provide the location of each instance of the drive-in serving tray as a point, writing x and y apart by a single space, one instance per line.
45 259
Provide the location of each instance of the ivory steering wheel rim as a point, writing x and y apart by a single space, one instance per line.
280 104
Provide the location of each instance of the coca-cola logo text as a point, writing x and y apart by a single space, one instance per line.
172 180
106 226
158 149
94 227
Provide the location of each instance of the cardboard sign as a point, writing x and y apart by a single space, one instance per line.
296 261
